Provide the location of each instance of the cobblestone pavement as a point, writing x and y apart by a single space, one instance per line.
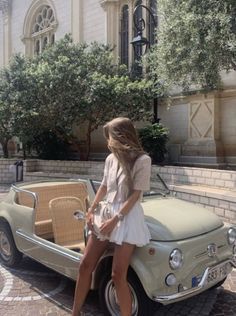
32 289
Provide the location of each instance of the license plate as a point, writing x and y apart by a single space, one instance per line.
216 273
196 280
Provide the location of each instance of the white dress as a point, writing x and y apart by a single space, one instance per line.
132 229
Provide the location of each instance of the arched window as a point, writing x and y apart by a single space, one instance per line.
137 19
39 27
136 26
124 33
152 22
42 29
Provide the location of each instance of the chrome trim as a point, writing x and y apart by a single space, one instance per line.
48 247
166 299
228 235
212 250
35 197
170 258
204 253
199 255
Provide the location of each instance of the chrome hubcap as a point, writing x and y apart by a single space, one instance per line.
112 301
5 247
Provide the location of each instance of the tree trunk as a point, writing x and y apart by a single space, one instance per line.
4 148
88 142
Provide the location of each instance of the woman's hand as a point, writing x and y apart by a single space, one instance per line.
108 226
89 219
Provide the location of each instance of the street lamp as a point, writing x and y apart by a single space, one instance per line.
141 44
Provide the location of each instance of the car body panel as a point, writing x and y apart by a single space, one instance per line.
54 256
170 219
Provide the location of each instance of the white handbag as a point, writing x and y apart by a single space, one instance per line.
101 214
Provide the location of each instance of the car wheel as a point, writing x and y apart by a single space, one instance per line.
141 304
9 254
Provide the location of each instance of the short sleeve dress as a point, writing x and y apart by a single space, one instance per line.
132 229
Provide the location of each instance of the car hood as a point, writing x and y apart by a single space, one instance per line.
171 219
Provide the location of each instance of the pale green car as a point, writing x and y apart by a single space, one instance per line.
191 249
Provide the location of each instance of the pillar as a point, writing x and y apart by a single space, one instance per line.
204 143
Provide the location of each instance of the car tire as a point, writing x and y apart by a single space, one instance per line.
9 255
142 305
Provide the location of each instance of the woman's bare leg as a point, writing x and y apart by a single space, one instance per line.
93 252
121 261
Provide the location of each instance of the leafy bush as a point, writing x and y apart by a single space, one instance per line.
49 146
154 139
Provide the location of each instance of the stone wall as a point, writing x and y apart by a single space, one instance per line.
202 129
173 175
93 22
219 201
211 188
7 171
38 169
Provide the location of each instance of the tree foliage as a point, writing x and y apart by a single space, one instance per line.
196 41
17 111
154 139
70 85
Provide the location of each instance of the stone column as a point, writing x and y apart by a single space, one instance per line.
5 7
203 144
111 8
77 20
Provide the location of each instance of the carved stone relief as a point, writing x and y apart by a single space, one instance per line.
203 128
201 120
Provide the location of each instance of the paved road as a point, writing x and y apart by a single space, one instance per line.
32 289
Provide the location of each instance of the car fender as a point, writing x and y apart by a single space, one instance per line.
5 215
5 218
6 212
144 275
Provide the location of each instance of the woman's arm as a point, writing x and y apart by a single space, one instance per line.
101 192
110 224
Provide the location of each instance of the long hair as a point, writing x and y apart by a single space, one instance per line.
124 143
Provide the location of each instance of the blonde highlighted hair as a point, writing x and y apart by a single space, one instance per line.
124 143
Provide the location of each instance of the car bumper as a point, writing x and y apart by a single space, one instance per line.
203 284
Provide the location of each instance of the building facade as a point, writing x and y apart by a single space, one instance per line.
202 127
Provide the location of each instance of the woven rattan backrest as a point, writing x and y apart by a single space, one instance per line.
65 227
47 193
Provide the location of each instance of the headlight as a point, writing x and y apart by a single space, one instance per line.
231 235
170 279
176 259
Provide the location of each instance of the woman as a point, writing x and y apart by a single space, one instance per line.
126 175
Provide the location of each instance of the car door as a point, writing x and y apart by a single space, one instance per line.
45 251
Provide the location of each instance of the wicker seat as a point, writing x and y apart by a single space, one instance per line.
68 231
45 193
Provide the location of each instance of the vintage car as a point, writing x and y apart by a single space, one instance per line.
191 249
